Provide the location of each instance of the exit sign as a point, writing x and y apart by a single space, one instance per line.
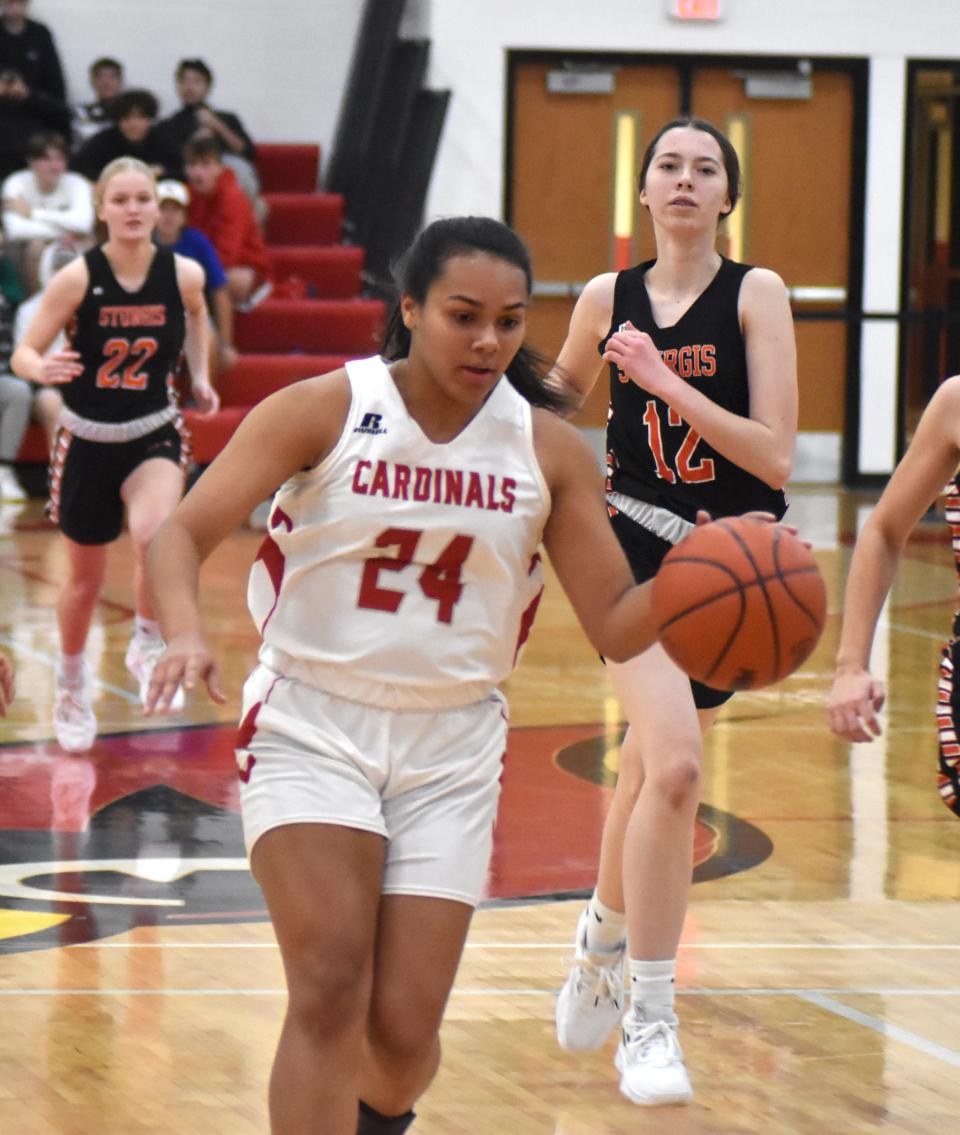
695 9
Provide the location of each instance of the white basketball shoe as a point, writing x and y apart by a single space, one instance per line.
650 1062
74 722
590 1004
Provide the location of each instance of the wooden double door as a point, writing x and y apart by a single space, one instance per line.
795 131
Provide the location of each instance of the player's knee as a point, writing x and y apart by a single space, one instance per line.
143 528
678 784
327 991
406 1049
83 587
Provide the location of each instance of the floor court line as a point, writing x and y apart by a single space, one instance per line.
878 1025
50 660
919 632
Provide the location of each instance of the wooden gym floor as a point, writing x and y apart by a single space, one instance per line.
141 989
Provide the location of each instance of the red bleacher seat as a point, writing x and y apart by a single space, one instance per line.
288 167
303 218
34 447
255 376
350 327
327 271
211 434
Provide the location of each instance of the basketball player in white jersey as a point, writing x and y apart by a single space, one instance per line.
397 582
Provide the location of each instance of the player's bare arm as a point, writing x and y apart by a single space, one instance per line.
289 431
61 299
928 464
190 280
579 364
771 347
589 562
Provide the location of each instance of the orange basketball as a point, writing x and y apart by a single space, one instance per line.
739 603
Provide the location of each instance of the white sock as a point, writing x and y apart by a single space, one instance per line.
652 987
70 669
146 628
606 928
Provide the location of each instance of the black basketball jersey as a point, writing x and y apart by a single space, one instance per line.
129 342
652 454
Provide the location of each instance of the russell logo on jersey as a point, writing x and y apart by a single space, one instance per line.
370 424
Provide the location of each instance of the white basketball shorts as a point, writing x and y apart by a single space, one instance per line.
428 782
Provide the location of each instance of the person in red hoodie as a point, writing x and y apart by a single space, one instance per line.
222 212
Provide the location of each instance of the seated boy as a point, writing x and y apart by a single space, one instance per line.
221 211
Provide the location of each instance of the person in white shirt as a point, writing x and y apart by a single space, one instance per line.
45 202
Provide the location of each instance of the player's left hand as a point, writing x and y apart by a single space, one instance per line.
186 662
206 398
636 355
853 704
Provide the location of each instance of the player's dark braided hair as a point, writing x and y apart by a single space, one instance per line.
424 262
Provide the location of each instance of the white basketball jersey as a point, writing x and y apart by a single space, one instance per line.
398 571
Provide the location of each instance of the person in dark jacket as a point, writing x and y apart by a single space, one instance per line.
27 46
134 134
23 114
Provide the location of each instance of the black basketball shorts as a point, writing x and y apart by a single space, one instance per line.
645 552
86 478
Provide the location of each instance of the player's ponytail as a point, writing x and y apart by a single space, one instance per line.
424 262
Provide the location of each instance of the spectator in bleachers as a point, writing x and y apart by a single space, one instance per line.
15 399
221 210
14 393
133 135
27 47
47 401
43 203
173 232
194 80
106 81
22 114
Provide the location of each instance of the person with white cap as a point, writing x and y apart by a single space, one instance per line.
173 233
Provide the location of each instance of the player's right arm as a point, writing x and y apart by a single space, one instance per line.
926 467
293 429
579 363
61 298
589 562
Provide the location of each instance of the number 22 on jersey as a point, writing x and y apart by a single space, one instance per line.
125 362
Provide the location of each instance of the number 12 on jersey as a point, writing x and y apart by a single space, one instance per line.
439 581
687 470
